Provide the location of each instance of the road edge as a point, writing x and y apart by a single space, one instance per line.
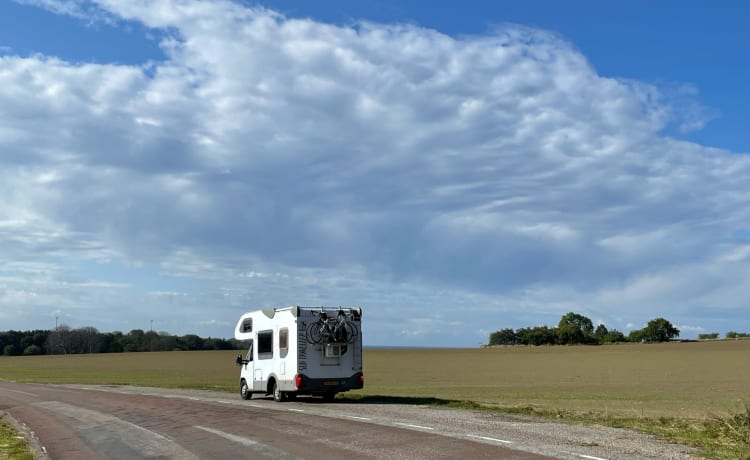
40 453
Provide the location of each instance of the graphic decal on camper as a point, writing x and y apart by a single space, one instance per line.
301 347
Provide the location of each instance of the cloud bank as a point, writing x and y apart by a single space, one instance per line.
452 185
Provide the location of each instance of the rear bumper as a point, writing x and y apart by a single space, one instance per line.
310 386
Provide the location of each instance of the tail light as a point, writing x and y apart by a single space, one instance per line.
298 381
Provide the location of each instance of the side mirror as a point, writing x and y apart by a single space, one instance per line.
238 361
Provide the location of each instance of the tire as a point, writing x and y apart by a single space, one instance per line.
278 395
245 390
315 333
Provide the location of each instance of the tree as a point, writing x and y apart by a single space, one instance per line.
637 335
574 328
614 336
657 330
85 340
190 342
58 341
133 341
503 337
539 335
166 342
111 342
601 332
660 330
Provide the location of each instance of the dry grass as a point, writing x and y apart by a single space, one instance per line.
645 380
211 370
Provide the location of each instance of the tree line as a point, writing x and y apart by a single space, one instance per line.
575 328
65 340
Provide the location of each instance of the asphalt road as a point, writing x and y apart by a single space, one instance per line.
87 422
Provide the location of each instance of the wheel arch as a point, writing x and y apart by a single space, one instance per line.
269 384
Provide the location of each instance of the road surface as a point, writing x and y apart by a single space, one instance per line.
100 422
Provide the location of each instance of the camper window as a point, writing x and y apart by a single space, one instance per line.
265 344
247 325
249 356
283 338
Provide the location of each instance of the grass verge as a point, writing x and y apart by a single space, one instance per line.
13 446
717 438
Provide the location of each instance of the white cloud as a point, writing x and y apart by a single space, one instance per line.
368 155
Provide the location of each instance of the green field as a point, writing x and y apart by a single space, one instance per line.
673 379
648 385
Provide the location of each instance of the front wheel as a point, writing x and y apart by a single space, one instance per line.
245 390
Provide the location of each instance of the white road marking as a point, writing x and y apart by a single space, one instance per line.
247 442
591 457
414 426
489 439
232 437
23 393
357 418
296 410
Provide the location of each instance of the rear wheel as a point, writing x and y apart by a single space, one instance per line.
245 390
278 395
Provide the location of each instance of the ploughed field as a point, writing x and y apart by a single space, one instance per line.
683 380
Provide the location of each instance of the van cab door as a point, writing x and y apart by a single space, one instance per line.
248 367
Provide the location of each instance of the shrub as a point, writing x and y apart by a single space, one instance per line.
32 350
710 336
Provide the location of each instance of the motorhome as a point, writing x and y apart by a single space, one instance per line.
300 351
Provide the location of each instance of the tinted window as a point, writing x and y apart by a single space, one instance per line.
265 344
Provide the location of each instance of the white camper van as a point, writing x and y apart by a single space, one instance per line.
300 351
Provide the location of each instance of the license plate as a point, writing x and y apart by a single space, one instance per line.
331 382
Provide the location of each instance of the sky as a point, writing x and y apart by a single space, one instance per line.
453 169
